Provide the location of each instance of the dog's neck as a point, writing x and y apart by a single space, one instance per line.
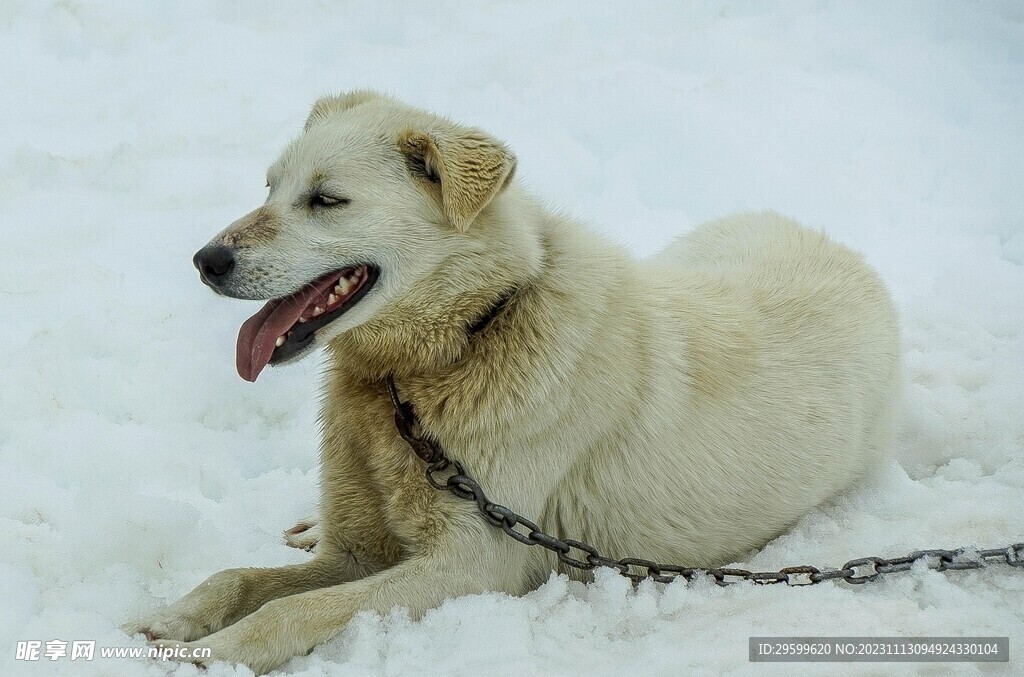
424 341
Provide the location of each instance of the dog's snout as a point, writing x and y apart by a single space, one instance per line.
214 262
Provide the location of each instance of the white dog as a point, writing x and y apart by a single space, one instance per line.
685 409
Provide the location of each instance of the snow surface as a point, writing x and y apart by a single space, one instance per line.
135 462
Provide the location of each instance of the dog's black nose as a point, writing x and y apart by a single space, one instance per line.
214 262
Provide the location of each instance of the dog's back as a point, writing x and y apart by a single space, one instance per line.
770 368
823 312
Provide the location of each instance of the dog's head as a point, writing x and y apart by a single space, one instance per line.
363 209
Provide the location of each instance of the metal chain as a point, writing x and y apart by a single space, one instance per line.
447 475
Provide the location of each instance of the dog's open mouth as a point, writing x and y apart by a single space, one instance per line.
285 326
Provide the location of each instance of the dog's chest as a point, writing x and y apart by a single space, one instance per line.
375 494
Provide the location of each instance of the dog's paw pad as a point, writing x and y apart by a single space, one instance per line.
304 525
152 630
305 535
181 629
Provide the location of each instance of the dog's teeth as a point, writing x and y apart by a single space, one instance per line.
303 319
339 291
344 287
280 341
332 299
318 311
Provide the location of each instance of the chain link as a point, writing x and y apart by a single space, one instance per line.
447 475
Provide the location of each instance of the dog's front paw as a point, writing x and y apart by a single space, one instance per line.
305 535
251 642
217 602
163 625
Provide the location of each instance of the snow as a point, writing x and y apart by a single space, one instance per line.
135 462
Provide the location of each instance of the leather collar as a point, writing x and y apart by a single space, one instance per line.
489 316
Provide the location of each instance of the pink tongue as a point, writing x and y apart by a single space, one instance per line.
258 336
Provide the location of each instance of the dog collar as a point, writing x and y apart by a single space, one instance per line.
489 316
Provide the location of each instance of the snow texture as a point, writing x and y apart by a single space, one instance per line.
135 462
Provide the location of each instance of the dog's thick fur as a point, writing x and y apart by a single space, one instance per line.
687 408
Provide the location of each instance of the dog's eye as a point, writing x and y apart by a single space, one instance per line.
321 200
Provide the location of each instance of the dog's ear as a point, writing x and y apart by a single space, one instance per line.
470 167
336 103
